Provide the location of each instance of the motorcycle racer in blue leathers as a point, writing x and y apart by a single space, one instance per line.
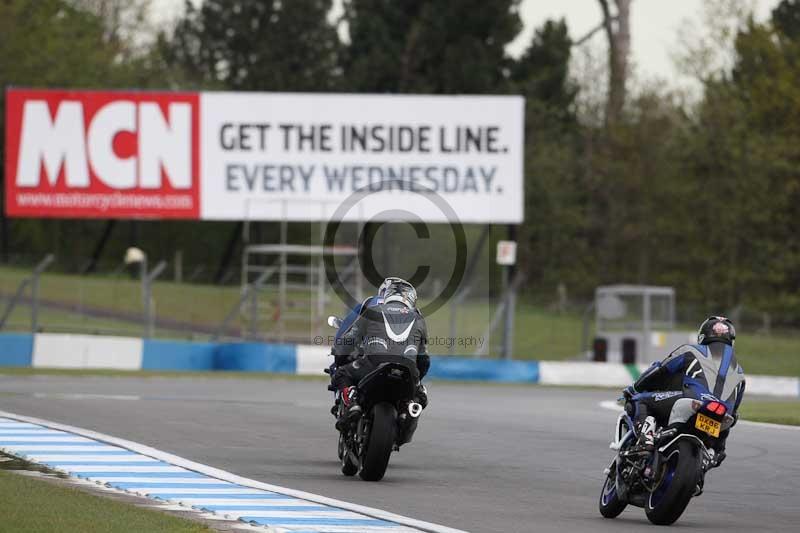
706 370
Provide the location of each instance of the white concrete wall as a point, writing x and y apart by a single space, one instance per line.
771 385
86 351
584 373
312 359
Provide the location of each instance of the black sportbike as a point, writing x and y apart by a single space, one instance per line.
389 419
662 481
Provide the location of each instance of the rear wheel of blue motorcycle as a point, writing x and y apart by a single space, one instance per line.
381 440
610 504
681 467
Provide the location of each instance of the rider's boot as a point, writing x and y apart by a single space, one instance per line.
335 407
352 409
421 395
647 434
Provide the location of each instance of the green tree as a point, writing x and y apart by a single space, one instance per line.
53 43
556 247
541 74
256 45
786 18
743 156
420 46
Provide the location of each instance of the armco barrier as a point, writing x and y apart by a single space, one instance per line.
178 355
16 349
587 373
257 357
458 368
88 351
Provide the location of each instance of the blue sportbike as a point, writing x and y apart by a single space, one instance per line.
663 478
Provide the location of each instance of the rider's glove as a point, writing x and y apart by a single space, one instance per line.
629 392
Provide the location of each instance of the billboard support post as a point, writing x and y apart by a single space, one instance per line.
250 292
37 272
33 281
508 329
147 289
507 258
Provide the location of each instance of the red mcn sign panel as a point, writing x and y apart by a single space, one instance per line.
102 154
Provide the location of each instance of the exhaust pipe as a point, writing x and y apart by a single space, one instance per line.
414 409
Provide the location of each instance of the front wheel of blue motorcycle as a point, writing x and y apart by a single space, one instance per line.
610 503
676 486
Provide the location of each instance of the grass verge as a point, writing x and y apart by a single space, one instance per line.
775 412
33 505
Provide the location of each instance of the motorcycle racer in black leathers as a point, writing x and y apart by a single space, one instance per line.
392 329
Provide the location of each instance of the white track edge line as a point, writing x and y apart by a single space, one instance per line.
769 425
613 406
233 478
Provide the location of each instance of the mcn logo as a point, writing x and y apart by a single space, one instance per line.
102 154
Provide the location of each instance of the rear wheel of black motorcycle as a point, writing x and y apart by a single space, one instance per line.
610 504
381 440
681 467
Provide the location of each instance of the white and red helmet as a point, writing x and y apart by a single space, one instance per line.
716 329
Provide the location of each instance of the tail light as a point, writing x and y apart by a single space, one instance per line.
717 408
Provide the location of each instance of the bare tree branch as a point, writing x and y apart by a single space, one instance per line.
607 21
619 44
591 33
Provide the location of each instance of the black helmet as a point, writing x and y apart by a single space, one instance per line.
716 329
398 289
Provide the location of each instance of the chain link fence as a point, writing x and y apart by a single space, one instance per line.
110 297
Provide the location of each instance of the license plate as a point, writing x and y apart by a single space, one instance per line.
708 425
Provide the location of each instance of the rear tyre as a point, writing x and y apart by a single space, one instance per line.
682 466
610 504
381 440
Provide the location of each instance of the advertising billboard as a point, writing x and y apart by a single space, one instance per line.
264 156
102 154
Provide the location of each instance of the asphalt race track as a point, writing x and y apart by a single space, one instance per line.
485 459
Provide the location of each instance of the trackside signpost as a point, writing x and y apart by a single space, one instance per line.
262 156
